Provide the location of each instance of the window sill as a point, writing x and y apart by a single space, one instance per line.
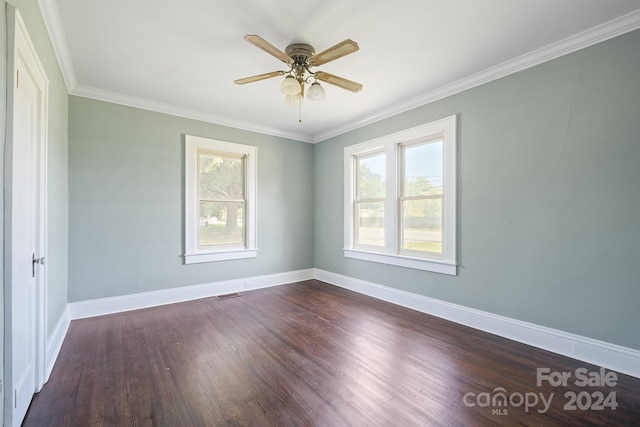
194 258
404 261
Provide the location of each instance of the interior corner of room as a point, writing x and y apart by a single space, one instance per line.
547 170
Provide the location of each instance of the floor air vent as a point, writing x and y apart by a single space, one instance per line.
227 296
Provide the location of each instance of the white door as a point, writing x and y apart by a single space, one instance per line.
25 229
24 243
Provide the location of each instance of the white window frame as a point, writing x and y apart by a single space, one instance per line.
193 252
391 253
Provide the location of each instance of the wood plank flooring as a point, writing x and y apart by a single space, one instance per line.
308 354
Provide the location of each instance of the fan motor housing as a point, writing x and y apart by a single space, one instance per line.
300 52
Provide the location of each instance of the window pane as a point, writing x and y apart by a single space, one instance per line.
221 223
423 169
370 225
422 225
370 177
220 177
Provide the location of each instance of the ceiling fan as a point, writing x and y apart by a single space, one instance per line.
300 57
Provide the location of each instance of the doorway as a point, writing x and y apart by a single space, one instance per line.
24 222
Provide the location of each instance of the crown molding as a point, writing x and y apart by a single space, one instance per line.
54 28
592 36
53 24
173 110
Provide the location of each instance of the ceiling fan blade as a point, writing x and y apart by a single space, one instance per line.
258 77
338 51
268 47
339 81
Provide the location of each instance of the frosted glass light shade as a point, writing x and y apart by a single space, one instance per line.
290 86
316 92
293 100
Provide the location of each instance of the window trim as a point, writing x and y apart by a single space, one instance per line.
193 252
391 144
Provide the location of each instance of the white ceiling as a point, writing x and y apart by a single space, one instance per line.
181 57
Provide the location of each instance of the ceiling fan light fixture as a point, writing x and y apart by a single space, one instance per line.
316 92
290 86
299 57
293 100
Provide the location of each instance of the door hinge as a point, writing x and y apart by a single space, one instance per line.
15 398
17 79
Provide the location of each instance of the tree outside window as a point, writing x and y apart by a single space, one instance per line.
221 190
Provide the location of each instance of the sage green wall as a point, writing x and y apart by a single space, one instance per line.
549 196
126 190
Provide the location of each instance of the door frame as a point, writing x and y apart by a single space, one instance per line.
19 43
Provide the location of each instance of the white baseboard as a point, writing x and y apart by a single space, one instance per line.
600 353
611 356
55 340
111 305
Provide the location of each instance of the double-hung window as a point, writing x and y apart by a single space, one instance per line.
400 198
220 196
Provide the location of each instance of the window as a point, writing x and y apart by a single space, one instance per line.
220 199
400 198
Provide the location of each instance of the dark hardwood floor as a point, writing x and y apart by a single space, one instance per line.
311 354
